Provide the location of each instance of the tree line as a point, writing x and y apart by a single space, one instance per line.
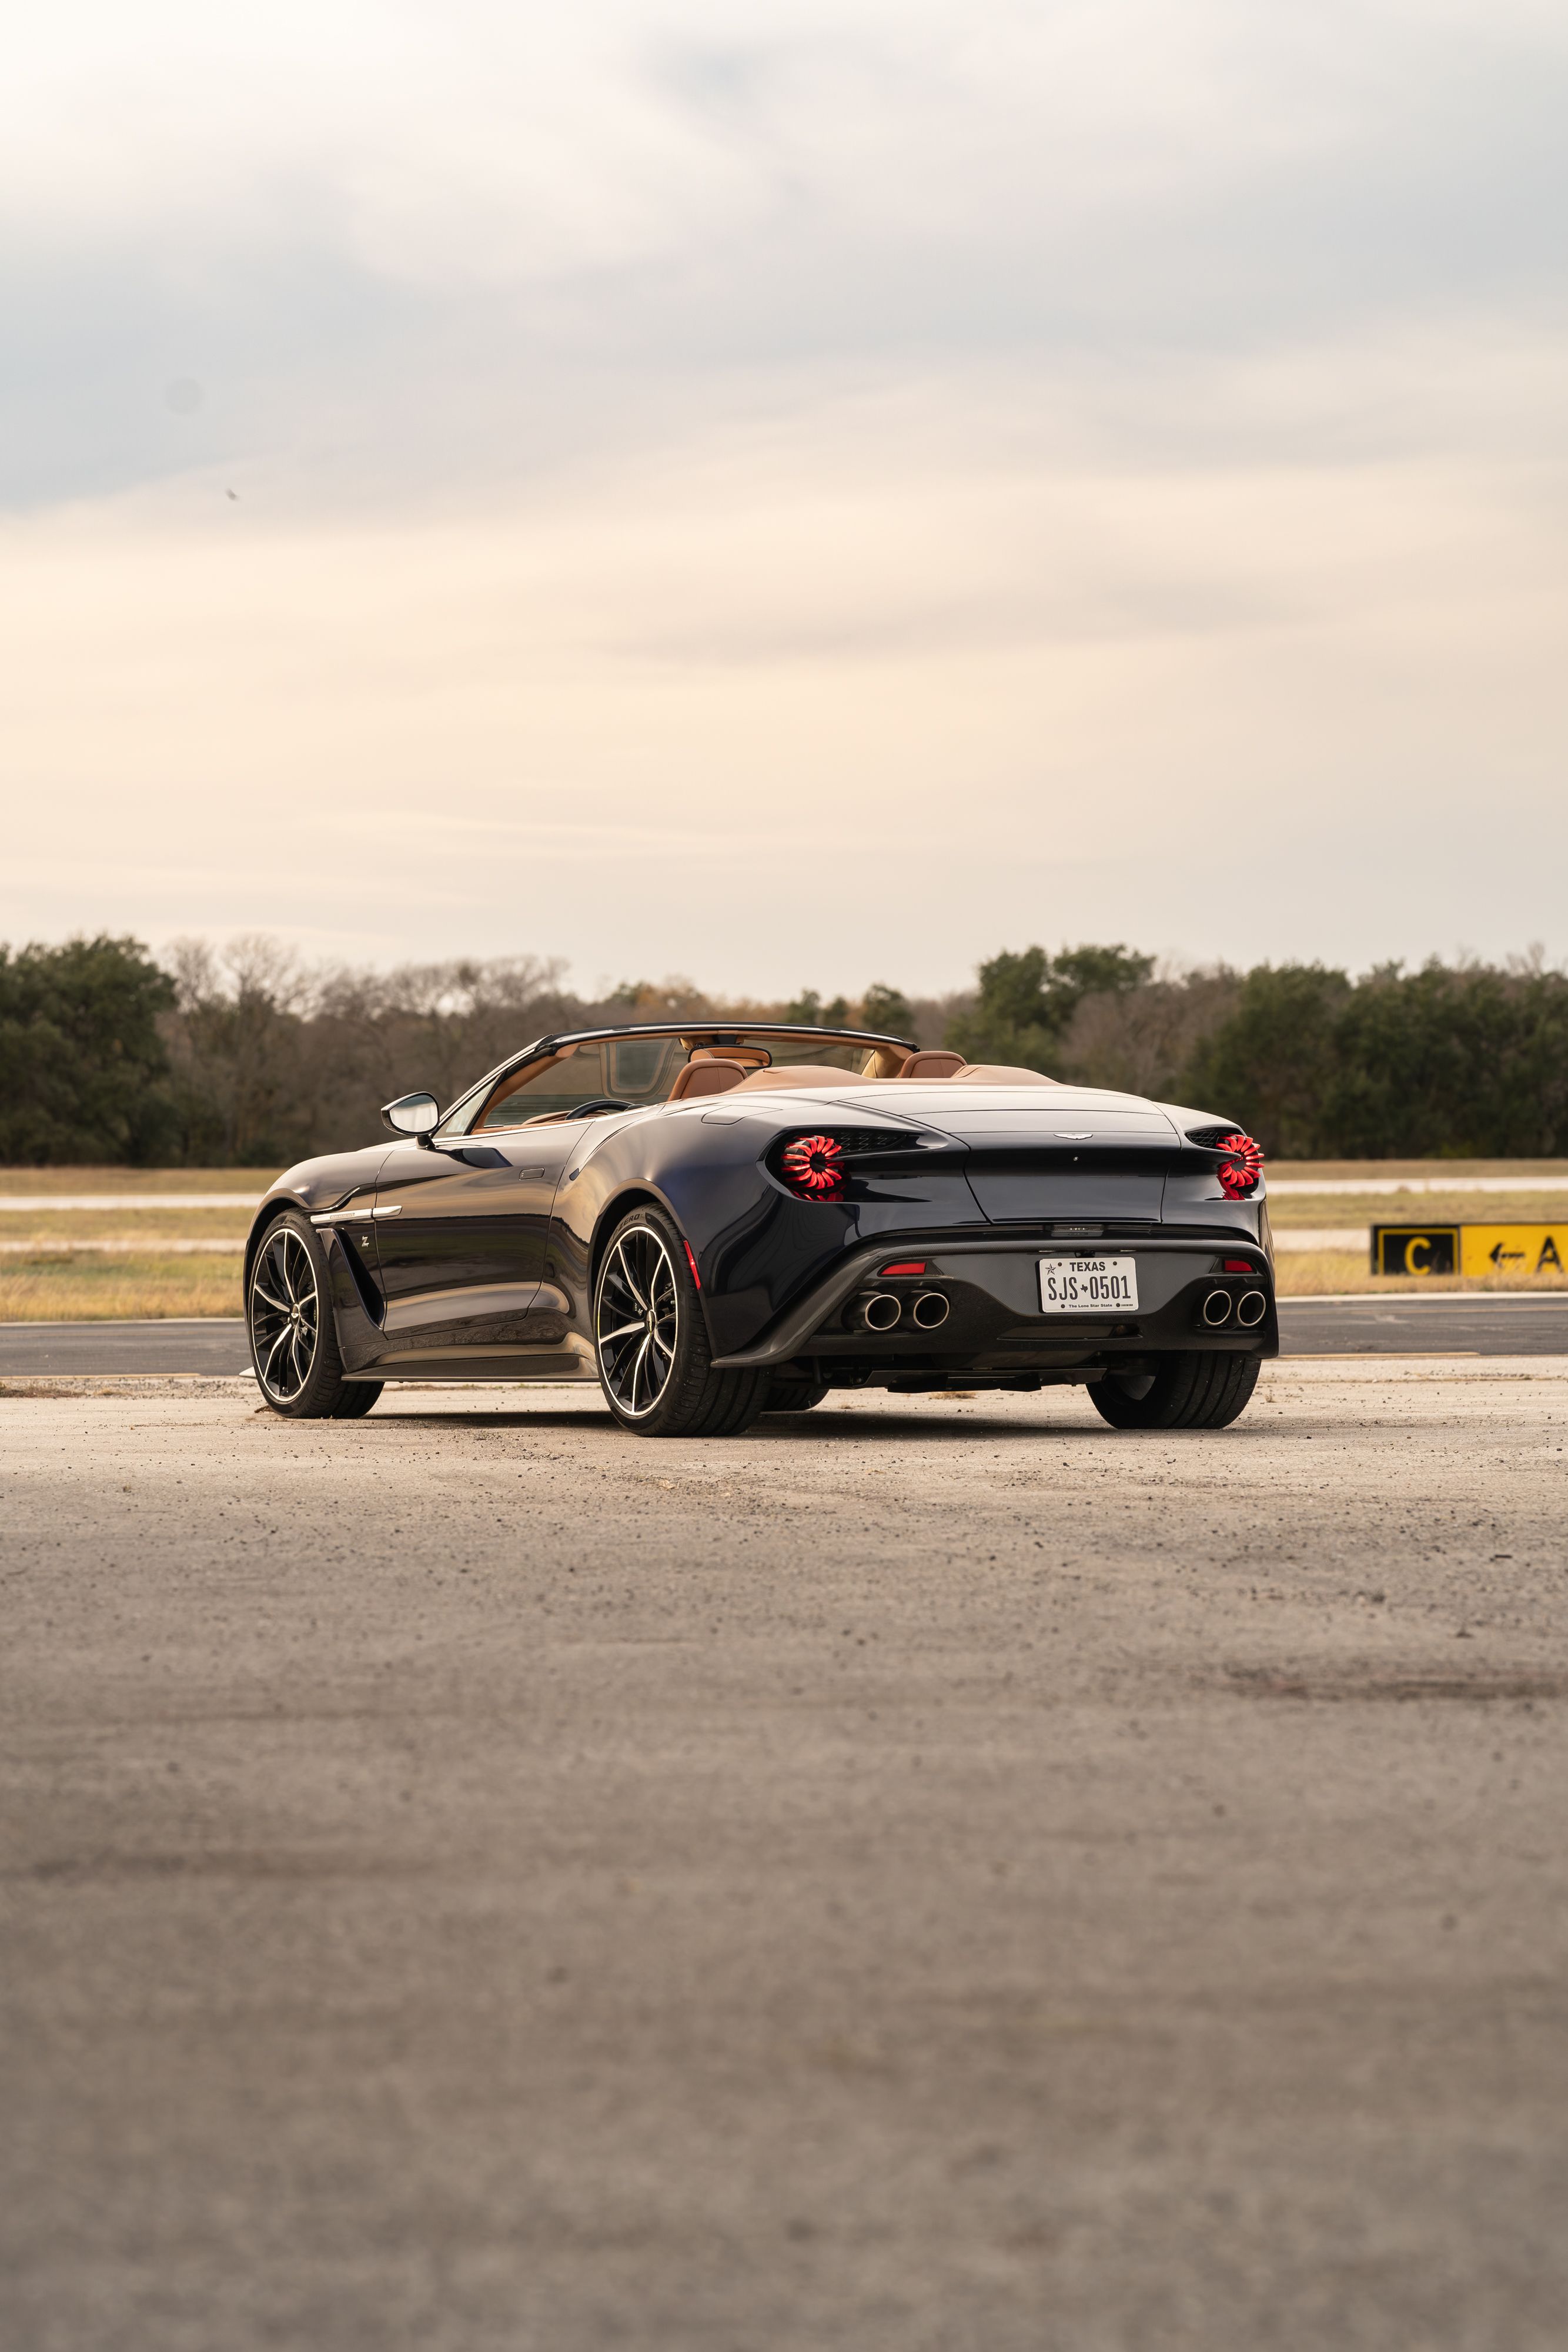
249 1057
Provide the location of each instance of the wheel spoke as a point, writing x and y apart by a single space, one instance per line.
631 1280
621 1332
278 1304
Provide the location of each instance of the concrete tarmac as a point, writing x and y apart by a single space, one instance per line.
923 1878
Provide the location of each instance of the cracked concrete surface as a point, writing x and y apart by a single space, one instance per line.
938 1877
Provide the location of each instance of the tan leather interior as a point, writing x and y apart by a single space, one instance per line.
750 1057
799 1074
709 1077
932 1062
1000 1074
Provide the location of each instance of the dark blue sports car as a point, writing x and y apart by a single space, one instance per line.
716 1222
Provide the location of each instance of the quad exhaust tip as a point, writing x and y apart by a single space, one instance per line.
930 1309
1217 1308
880 1310
1251 1308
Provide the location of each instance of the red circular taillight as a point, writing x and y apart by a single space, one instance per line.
1238 1170
810 1165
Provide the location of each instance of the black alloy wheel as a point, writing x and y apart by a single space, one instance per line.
1202 1388
293 1340
651 1342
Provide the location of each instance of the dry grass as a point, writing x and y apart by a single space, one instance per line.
96 1288
1315 1274
1456 1207
55 1284
64 1288
145 1228
250 1183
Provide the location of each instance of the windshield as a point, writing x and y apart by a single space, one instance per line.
639 1071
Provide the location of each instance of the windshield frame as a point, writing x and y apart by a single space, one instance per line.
458 1123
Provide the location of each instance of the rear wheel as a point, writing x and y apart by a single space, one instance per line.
293 1340
787 1394
650 1343
1203 1388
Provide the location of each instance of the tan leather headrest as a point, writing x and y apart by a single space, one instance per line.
706 1078
998 1074
932 1062
750 1057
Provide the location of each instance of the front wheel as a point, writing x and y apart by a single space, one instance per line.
1203 1388
650 1343
293 1340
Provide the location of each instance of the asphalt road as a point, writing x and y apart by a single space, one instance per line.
1450 1323
938 1879
210 1344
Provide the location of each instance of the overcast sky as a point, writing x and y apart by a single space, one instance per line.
787 493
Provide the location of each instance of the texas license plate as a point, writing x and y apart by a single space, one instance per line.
1088 1286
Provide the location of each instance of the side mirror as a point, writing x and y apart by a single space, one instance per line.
415 1114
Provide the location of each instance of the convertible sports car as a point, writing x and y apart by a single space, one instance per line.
719 1221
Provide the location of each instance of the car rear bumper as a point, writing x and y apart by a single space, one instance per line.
994 1322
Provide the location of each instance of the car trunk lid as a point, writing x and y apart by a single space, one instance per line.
1072 1157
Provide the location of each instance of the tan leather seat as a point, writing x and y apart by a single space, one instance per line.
932 1062
706 1078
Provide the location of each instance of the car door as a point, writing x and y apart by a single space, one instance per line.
462 1233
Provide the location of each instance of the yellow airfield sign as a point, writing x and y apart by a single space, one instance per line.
1469 1249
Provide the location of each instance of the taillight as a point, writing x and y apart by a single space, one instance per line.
1238 1170
810 1166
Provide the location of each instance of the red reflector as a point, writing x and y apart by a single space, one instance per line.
1237 1265
906 1265
691 1261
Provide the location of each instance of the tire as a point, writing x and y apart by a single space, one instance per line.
356 1400
1202 1388
293 1337
650 1343
787 1395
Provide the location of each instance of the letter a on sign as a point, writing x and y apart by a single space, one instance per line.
1547 1256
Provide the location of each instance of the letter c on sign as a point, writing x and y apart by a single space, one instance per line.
1416 1242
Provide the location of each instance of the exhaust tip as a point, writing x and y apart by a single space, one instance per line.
1251 1308
879 1311
1217 1308
931 1308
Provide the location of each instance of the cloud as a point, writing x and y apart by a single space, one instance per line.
1083 466
406 243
